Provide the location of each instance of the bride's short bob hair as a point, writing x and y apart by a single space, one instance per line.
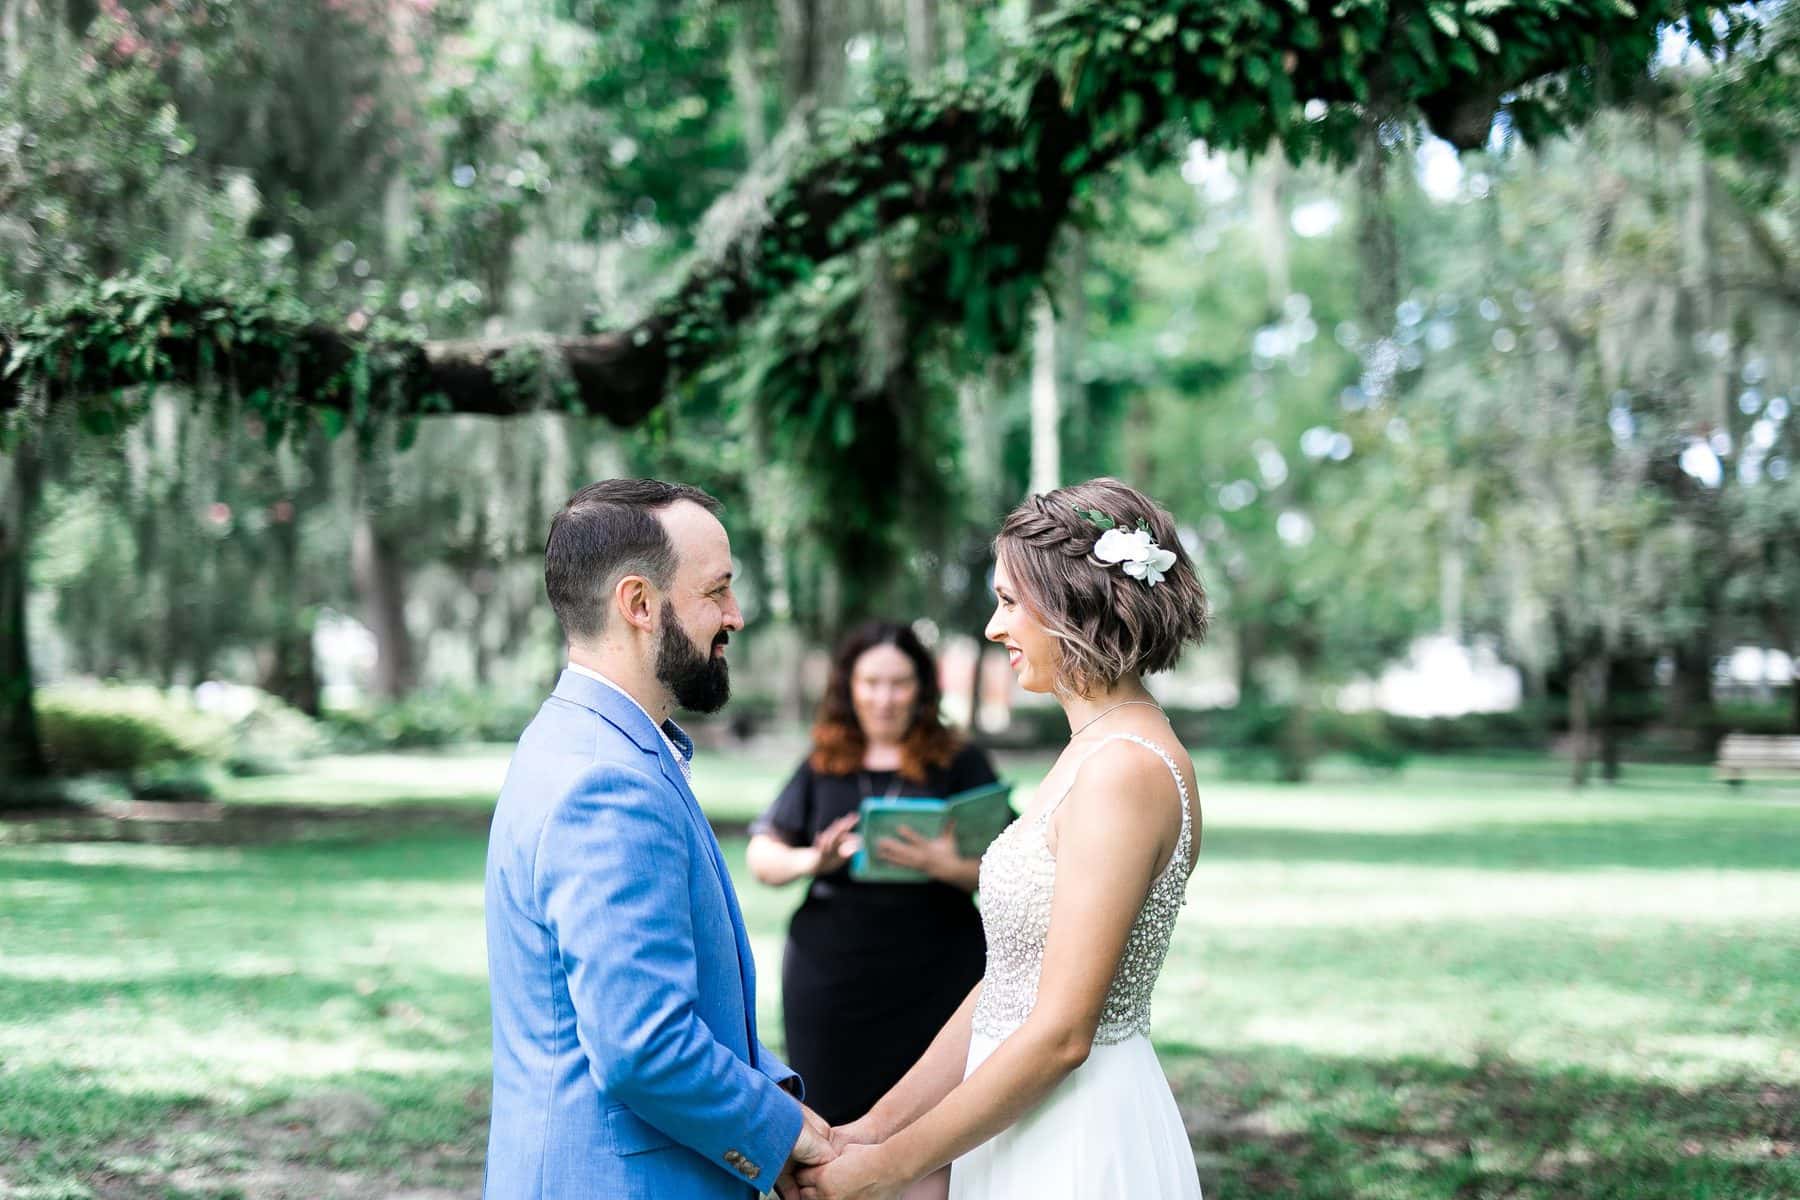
1107 623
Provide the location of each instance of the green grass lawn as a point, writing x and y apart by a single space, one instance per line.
1461 982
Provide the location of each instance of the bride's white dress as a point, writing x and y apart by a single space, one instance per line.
1111 1129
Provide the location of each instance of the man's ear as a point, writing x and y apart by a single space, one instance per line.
637 601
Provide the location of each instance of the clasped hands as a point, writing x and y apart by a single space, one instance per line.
834 1164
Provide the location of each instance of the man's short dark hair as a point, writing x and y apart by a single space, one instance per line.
606 531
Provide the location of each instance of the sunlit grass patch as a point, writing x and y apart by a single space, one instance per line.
1440 985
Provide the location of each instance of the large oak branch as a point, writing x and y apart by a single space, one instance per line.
984 174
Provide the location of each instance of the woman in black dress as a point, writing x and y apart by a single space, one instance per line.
872 970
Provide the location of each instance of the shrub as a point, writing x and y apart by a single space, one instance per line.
442 717
1520 728
115 727
175 781
272 737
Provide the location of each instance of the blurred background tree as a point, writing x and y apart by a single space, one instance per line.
1535 397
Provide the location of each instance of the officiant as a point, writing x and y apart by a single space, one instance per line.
872 970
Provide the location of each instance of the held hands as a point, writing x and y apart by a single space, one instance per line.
859 1173
815 1146
937 856
836 844
859 1132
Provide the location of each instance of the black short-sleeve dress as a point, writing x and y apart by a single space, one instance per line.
872 970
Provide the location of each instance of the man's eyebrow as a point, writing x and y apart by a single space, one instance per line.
725 577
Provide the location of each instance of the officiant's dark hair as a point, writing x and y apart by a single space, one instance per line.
606 531
1107 624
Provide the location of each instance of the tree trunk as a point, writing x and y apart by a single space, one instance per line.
1071 345
813 33
746 89
381 582
1274 237
1378 238
21 747
1249 655
1580 697
1794 685
480 582
1781 630
921 38
1046 411
1294 754
1608 723
1691 690
11 45
290 672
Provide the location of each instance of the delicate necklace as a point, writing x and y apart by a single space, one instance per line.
1115 708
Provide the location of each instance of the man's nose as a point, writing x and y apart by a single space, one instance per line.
734 617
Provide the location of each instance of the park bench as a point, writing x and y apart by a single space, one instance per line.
1750 756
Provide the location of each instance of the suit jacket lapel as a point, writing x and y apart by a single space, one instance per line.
740 933
634 722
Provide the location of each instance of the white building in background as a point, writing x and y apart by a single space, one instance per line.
345 651
1439 677
1753 672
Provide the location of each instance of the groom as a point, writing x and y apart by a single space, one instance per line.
626 1061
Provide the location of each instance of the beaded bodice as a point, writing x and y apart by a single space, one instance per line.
1018 879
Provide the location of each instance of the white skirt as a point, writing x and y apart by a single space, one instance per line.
1111 1129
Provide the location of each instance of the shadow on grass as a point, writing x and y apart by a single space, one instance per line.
213 824
417 852
357 1136
424 1010
1307 1127
1274 1125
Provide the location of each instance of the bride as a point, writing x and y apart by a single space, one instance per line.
1043 1084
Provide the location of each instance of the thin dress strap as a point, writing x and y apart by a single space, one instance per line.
1185 841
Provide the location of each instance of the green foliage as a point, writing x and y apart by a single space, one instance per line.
1523 728
175 782
273 737
256 344
93 162
163 746
1285 741
983 174
432 718
125 728
1747 111
930 211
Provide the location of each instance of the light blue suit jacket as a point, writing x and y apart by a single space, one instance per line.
626 1061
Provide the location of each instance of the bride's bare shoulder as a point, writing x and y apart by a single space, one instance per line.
1133 778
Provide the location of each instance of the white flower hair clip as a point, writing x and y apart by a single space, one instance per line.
1133 549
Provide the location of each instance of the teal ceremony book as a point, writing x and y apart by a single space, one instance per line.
979 813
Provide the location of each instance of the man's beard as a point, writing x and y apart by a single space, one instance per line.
699 682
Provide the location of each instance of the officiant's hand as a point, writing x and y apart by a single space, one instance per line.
936 856
836 844
859 1173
